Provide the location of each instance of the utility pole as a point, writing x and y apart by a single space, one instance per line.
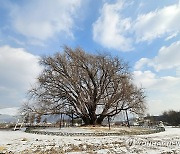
109 122
63 121
72 114
60 121
127 119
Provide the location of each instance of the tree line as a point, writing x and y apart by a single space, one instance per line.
171 117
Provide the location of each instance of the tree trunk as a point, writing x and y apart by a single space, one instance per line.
86 120
93 120
100 119
89 121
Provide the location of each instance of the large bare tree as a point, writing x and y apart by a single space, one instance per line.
92 86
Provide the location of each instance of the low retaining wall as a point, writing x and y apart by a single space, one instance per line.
157 130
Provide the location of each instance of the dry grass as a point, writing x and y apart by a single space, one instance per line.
2 148
122 129
24 139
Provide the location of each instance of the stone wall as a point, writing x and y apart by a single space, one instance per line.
150 131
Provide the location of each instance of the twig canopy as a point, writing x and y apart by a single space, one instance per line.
93 86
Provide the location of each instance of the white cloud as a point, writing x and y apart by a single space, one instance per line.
147 78
151 81
43 19
110 29
142 62
162 92
171 36
18 70
167 58
158 23
113 30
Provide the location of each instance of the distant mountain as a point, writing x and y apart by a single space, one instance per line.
9 111
53 118
4 118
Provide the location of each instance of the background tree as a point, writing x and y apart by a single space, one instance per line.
32 118
45 120
26 118
92 86
38 118
171 117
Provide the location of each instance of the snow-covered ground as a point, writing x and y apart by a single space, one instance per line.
160 143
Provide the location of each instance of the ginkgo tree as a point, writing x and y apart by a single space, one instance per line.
92 86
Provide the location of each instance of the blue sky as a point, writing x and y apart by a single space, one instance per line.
144 33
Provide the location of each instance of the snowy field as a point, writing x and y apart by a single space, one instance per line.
160 143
